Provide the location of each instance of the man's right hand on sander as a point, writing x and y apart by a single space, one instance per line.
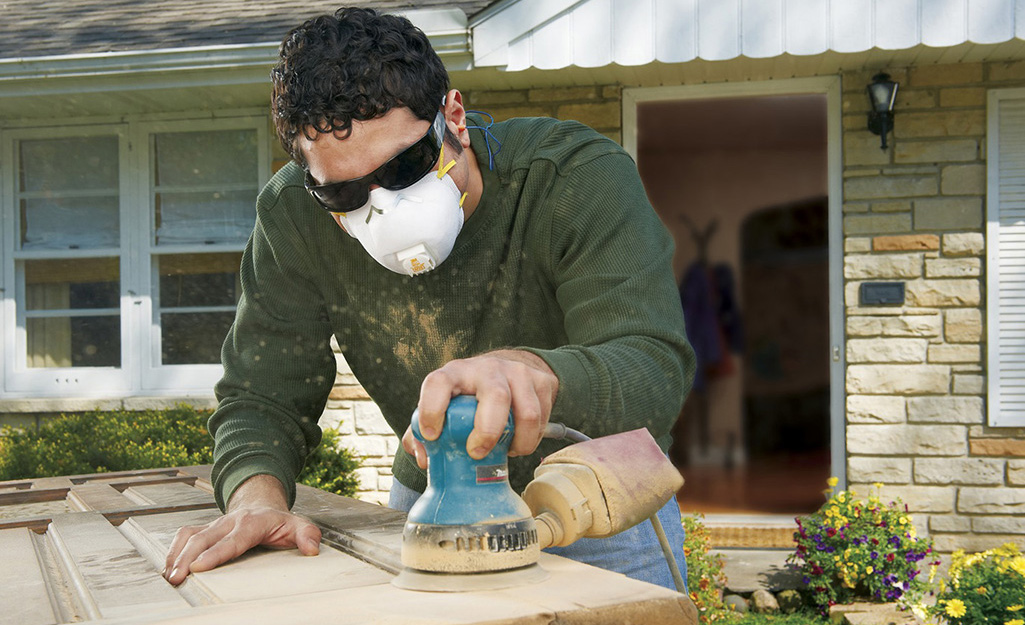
501 380
257 515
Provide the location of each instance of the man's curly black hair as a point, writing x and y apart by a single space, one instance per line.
354 65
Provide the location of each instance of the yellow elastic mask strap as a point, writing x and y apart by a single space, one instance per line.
444 168
465 193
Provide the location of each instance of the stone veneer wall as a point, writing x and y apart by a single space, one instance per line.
349 408
916 412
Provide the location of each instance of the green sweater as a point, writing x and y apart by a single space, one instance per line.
563 257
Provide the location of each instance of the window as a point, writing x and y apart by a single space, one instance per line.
121 246
1005 258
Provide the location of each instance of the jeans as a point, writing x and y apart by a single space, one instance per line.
634 552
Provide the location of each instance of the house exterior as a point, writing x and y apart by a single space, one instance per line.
134 138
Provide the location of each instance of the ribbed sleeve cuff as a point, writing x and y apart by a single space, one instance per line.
574 397
406 471
227 481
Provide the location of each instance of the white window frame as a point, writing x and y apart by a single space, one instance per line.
140 373
77 381
155 376
1005 259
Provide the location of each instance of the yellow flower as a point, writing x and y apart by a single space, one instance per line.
1012 564
878 485
833 481
903 520
1014 621
1014 608
841 497
869 569
955 608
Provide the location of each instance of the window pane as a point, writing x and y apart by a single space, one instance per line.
72 312
68 193
69 164
197 299
193 338
205 186
69 223
205 217
205 158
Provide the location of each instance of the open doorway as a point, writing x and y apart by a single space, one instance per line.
743 184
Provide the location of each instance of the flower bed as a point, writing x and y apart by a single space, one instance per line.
986 588
852 549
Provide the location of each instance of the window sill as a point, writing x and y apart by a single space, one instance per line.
87 404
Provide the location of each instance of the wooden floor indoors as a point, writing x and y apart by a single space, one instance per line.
793 485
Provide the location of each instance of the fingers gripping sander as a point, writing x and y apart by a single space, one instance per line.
468 522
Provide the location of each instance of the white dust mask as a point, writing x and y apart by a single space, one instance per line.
412 230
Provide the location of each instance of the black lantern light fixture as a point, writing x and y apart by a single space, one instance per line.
882 93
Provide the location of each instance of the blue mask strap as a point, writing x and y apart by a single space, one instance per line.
488 138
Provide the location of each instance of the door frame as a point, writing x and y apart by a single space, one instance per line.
831 88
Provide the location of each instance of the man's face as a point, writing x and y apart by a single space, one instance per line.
374 142
371 143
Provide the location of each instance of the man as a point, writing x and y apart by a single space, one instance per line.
521 264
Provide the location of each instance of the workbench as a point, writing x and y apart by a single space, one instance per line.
91 547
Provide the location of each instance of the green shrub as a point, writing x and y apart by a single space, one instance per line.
705 578
986 588
330 467
102 441
122 440
859 549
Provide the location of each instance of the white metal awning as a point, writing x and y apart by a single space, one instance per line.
554 34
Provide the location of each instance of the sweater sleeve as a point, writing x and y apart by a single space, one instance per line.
627 363
278 363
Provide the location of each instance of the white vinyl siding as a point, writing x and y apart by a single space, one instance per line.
1005 254
120 252
553 34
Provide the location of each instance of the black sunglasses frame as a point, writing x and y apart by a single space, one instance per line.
399 172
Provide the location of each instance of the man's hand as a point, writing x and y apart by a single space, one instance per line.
500 380
257 515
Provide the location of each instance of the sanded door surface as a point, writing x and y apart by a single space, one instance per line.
90 548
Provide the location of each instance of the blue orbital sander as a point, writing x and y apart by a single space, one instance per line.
469 530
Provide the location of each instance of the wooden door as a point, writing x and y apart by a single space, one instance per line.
91 548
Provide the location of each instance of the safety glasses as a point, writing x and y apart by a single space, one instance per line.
401 171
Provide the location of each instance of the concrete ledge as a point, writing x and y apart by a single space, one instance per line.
748 570
86 404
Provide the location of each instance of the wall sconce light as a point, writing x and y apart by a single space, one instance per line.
882 93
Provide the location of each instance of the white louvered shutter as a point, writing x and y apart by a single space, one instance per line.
1005 267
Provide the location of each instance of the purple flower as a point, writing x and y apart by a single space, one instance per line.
873 555
895 541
